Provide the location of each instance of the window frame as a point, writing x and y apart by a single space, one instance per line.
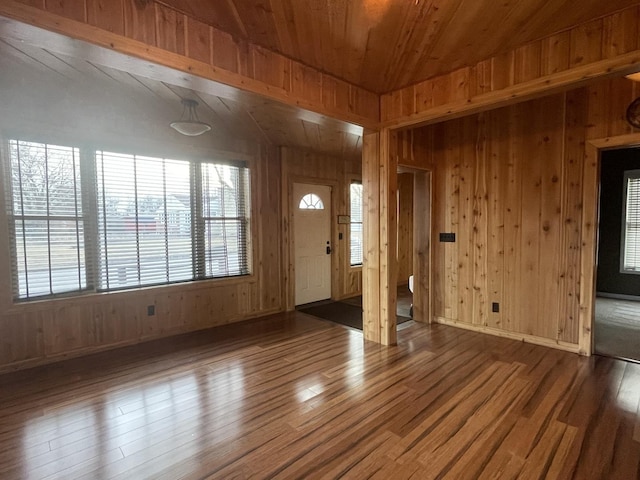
635 175
12 220
352 182
89 201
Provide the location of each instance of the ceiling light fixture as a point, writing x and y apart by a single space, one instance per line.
189 123
634 77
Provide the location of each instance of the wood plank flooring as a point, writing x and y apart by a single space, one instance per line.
291 396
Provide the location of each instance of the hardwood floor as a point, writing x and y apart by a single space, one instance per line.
617 328
295 397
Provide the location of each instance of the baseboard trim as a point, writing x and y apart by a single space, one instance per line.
544 342
84 351
618 296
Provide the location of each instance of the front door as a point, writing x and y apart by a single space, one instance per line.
312 239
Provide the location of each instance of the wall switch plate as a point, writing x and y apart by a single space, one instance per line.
447 237
495 307
151 310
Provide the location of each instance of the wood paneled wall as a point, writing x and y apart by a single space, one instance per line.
308 167
511 184
604 47
153 32
405 227
43 331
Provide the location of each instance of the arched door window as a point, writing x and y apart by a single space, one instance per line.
311 202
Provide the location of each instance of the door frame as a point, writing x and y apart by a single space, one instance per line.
288 248
590 227
422 242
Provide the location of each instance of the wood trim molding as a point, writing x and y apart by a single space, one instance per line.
590 215
570 59
258 71
543 86
558 345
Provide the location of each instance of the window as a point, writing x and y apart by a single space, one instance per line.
631 223
355 236
144 220
223 223
154 220
311 202
47 219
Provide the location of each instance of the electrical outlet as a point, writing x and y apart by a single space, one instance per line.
151 310
495 307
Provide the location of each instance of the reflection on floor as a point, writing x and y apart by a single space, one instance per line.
404 296
617 328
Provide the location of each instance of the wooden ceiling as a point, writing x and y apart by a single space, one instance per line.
383 45
244 117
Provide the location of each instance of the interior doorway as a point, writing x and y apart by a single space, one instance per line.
414 243
312 242
404 254
617 303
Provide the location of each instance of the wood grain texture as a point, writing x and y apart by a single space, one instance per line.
604 47
519 187
385 46
405 227
422 248
371 274
290 396
153 32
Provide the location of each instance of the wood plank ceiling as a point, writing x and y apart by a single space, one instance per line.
383 45
247 117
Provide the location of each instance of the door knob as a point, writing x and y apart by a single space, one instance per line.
328 250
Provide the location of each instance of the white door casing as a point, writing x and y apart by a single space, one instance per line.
312 241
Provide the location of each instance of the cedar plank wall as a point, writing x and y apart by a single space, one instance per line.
405 227
508 182
154 24
525 72
309 167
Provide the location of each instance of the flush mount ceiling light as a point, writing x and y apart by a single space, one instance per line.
189 123
634 77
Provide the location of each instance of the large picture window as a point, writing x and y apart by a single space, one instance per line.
630 261
117 221
355 234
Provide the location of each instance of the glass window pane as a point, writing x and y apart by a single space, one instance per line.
631 233
47 219
144 224
225 200
356 234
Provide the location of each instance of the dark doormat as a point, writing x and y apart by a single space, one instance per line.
341 312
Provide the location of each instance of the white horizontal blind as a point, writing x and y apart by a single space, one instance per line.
144 220
631 230
46 219
223 226
133 220
355 236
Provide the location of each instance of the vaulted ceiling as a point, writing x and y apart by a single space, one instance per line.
383 45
